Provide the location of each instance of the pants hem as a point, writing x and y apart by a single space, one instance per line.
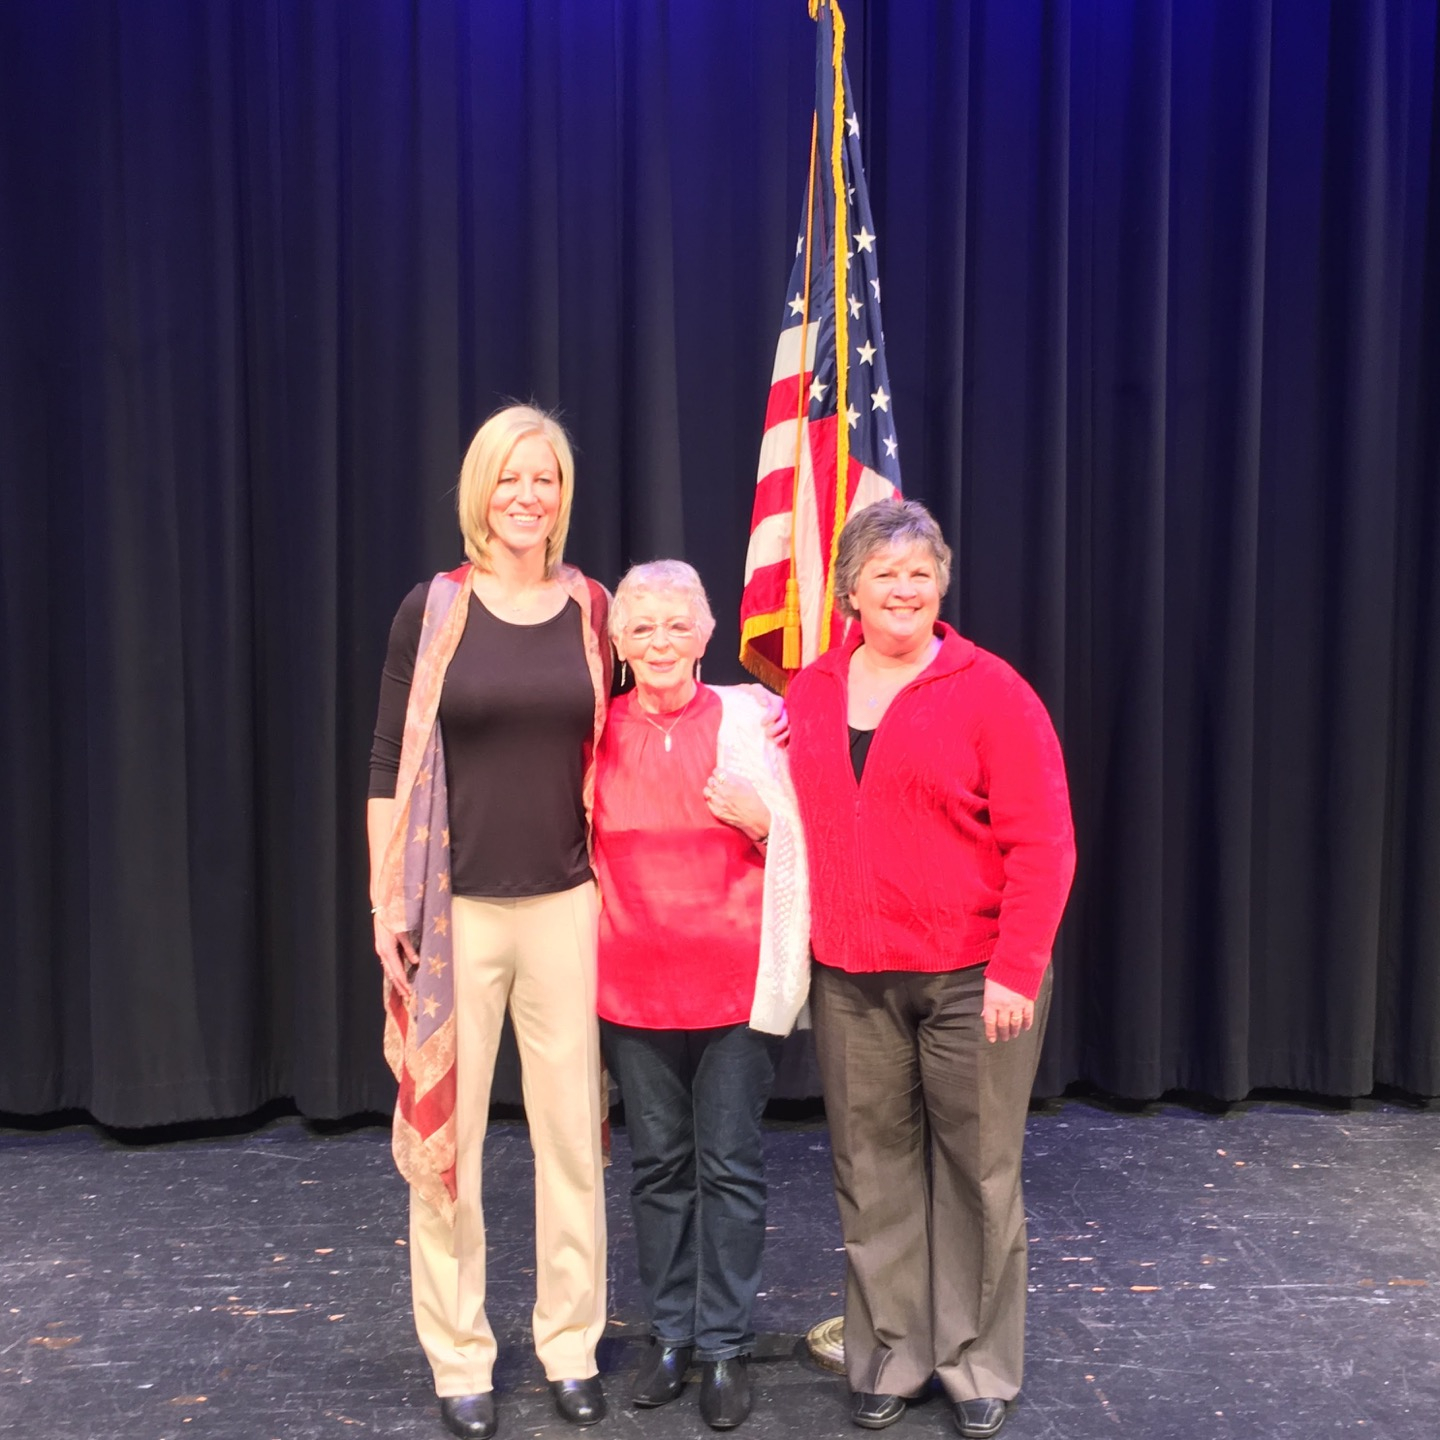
721 1352
452 1388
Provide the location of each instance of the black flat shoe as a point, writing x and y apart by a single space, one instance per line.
661 1376
875 1412
725 1398
979 1419
581 1402
472 1417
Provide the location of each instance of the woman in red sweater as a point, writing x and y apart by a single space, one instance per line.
937 824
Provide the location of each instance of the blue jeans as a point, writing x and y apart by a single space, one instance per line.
693 1101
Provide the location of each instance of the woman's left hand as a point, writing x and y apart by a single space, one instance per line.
1005 1012
735 801
776 720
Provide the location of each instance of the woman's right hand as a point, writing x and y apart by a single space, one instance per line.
734 800
397 958
1005 1012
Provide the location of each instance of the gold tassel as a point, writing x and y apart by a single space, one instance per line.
790 648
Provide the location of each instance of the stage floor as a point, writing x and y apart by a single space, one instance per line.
1267 1272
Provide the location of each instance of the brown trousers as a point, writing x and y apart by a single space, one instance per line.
537 956
927 1126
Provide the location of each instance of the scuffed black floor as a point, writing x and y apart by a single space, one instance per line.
1268 1272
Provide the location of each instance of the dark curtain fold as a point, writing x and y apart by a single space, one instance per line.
1162 294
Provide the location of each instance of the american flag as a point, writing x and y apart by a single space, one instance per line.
820 460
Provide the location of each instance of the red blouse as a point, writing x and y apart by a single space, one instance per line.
680 890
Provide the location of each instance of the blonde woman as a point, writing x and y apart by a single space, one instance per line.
492 703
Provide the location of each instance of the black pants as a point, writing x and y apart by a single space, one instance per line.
693 1101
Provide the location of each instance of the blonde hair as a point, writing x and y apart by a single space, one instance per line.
661 577
483 465
878 527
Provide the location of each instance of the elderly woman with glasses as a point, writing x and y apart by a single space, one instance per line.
703 966
937 823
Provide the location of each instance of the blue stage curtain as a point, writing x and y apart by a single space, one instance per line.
1162 295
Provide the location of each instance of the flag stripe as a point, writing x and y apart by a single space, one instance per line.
787 353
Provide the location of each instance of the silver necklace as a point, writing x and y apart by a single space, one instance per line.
890 689
666 730
523 601
518 601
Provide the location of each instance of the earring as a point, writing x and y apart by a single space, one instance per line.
697 672
624 674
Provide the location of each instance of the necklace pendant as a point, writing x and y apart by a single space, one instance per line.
667 744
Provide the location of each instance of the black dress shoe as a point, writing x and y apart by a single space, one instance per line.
875 1412
581 1402
979 1419
472 1417
661 1376
725 1392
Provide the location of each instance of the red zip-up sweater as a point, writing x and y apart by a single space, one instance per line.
956 846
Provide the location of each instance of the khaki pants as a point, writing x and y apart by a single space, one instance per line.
927 1126
538 956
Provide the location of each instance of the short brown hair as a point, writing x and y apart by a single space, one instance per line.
880 526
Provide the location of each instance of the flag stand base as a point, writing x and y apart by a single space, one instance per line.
826 1343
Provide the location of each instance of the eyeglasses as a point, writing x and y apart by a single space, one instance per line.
642 632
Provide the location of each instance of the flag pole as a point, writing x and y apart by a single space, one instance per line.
790 638
841 242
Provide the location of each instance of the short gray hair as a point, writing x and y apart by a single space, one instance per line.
662 577
881 526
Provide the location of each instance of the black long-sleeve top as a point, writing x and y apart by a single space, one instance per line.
516 710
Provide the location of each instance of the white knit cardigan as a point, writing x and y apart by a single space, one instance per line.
782 985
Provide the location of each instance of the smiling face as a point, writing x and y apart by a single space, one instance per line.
897 597
661 642
526 500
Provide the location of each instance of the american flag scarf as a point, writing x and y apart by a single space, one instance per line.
413 895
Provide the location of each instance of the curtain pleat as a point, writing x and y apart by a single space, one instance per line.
1162 297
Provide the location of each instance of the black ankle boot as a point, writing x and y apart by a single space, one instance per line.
581 1402
725 1392
472 1417
661 1376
